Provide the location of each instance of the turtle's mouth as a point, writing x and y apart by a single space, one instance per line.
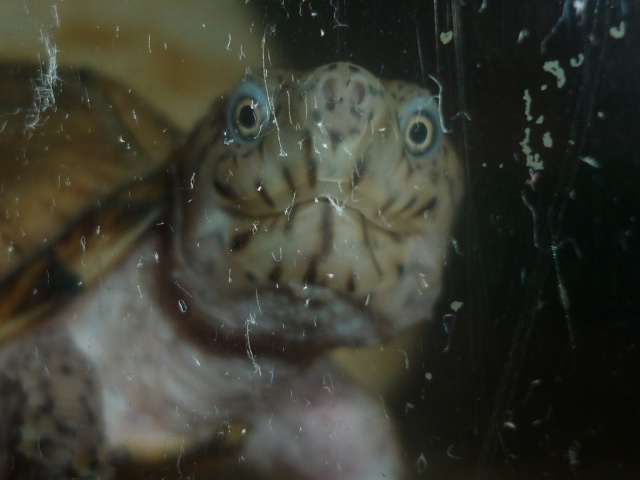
324 241
373 216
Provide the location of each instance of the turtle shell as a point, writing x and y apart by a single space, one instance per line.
85 170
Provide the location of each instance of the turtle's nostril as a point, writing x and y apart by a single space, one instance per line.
357 91
330 90
335 90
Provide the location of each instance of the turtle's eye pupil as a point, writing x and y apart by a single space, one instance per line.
247 117
419 133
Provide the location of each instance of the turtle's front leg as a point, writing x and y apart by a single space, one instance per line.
324 428
50 414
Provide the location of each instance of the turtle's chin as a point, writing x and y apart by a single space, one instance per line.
295 320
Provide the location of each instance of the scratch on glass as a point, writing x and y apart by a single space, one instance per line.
183 289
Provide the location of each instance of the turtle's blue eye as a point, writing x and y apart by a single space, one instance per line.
248 112
419 125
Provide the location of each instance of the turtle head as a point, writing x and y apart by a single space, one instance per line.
319 205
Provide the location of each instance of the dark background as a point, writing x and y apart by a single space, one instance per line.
529 386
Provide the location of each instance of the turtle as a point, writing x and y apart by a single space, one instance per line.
156 286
